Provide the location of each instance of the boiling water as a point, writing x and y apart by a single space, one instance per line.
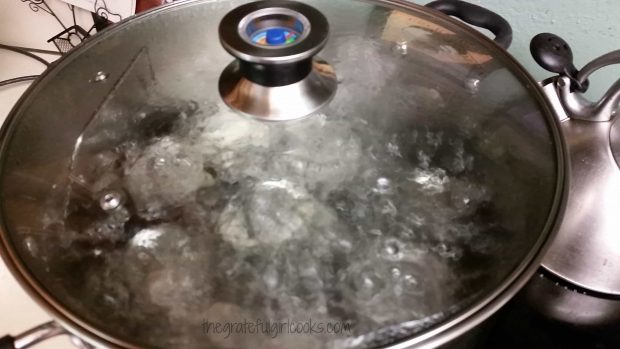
198 214
227 219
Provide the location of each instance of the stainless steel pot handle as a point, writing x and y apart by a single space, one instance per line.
477 16
555 55
39 334
32 336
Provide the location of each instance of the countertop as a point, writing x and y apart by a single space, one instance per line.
20 26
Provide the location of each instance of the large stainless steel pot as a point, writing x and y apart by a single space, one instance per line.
407 182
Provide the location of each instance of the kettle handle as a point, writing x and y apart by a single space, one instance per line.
477 16
555 55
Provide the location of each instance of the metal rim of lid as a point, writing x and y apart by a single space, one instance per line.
237 44
614 140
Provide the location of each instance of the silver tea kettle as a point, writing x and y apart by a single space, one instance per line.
584 258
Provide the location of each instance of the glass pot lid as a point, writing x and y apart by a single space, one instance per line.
144 208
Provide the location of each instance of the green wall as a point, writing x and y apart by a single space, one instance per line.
591 27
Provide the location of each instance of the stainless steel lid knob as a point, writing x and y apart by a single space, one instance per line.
275 75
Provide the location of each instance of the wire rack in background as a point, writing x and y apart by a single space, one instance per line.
67 39
70 36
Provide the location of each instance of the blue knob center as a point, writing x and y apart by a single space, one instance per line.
276 36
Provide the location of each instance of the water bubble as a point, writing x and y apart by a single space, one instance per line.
410 280
146 238
31 245
409 284
383 185
442 248
394 150
159 162
367 283
345 245
101 76
472 85
433 180
395 272
109 299
401 47
271 278
182 160
375 232
392 249
448 252
389 208
299 165
111 200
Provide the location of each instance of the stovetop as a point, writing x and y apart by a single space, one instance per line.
522 324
